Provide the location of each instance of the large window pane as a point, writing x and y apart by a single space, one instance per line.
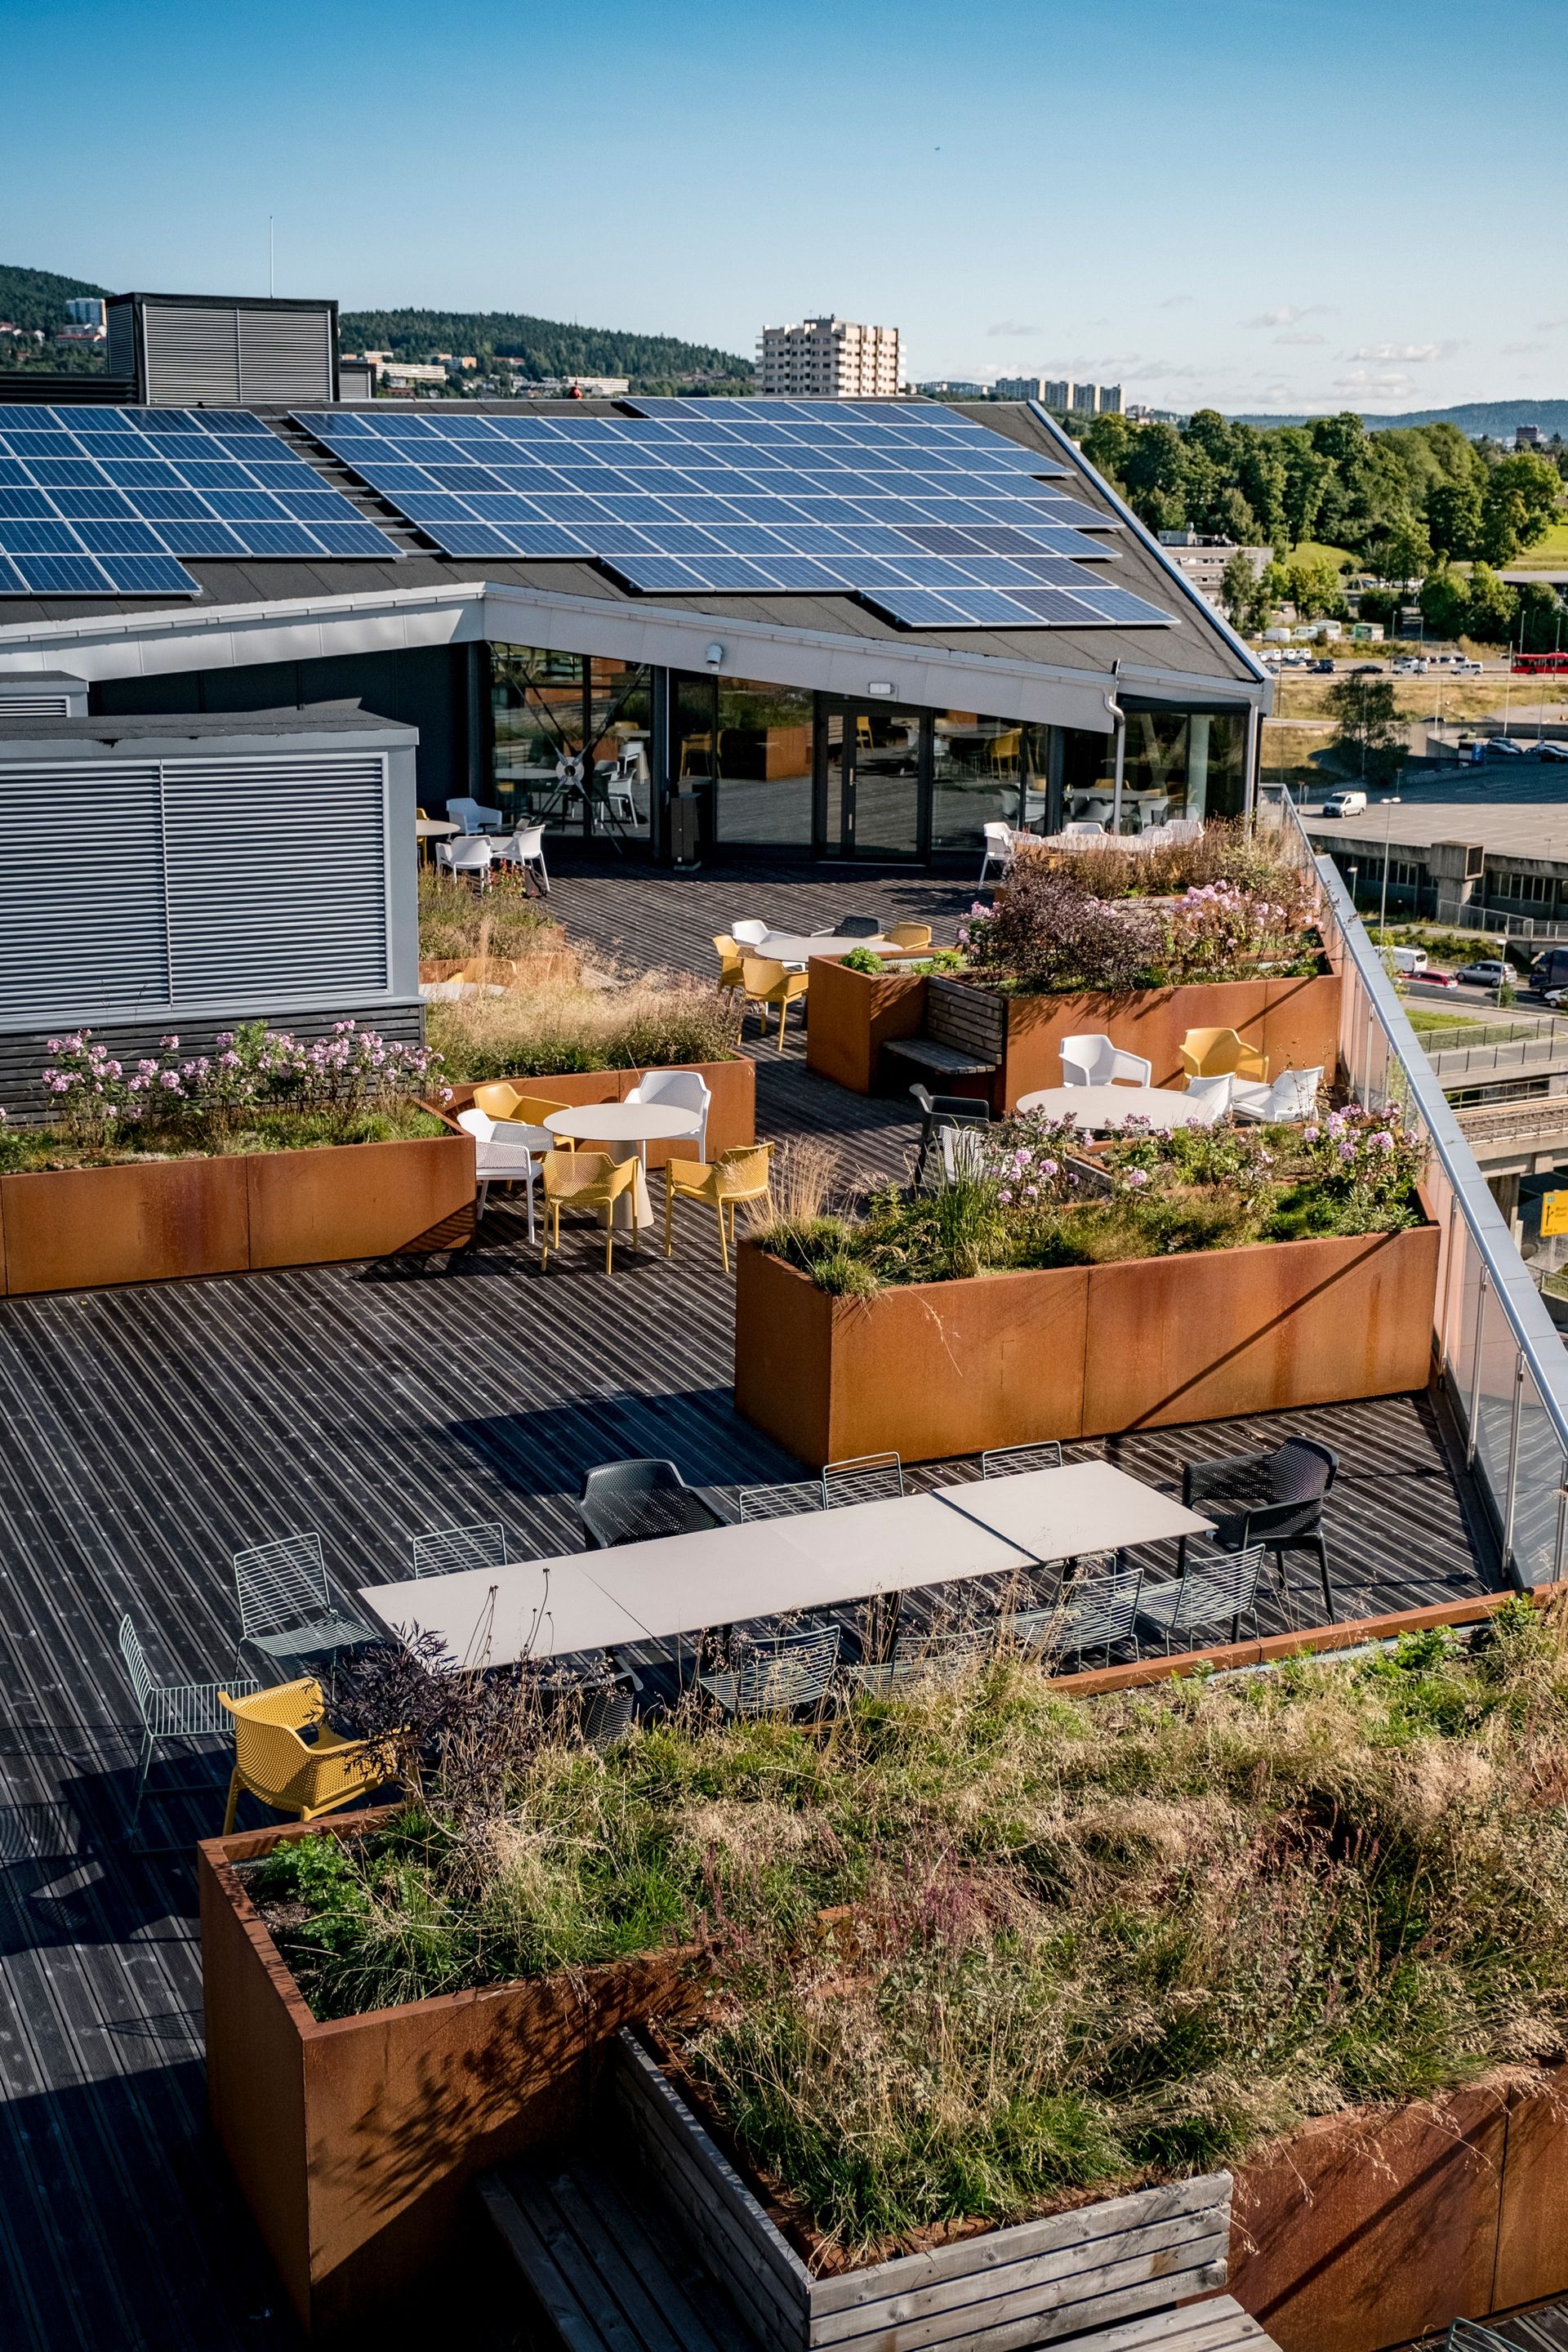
764 762
1176 763
620 724
536 700
984 771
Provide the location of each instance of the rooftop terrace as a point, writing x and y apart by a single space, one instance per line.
146 1433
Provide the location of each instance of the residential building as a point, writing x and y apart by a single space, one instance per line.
1529 436
943 387
830 359
1204 561
88 323
1019 387
394 372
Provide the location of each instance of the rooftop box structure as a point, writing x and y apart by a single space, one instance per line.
211 351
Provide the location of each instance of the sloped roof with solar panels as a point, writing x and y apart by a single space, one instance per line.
927 516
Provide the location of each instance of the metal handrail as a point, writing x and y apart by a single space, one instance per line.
1503 1275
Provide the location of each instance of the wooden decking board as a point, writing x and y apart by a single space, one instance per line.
146 1433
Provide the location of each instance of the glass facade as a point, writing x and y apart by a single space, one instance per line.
572 739
596 747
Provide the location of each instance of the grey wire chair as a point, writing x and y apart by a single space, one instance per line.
778 1502
169 1711
1096 1613
445 1552
1213 1587
867 1478
928 1655
1469 2336
1012 1461
285 1604
775 1677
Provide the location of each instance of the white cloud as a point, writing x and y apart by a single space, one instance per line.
1011 327
1177 302
1515 350
1550 326
1285 316
1308 338
1420 352
1376 383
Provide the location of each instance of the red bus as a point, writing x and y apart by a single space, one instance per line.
1540 665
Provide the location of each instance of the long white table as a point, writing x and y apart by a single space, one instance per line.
674 1586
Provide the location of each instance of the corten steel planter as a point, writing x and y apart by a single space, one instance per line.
935 1369
989 2290
850 1015
1295 1021
1361 2231
150 1221
732 1115
354 2139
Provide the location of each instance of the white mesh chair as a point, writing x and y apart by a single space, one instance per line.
1292 1096
1083 829
447 1551
682 1091
1216 1587
475 819
1093 1061
1011 1461
778 1502
285 1604
776 1677
505 1152
170 1710
867 1478
470 853
999 852
750 934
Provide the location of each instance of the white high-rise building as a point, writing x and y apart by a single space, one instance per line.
830 359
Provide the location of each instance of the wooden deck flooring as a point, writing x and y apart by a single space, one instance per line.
146 1433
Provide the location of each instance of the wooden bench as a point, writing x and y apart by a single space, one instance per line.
603 2263
965 1033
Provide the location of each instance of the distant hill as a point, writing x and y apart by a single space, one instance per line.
35 299
547 347
1497 419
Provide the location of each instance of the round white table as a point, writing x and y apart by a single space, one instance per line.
1098 1108
627 1128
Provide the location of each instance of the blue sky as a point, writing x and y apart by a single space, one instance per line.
1261 203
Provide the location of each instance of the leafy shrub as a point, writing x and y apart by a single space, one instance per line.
862 959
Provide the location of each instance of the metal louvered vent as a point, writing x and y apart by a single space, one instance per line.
40 705
192 356
202 886
283 352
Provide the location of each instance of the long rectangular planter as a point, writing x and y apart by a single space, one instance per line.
354 2139
989 2291
732 1117
152 1220
852 1015
935 1369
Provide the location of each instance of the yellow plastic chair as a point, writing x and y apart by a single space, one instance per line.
498 1099
732 965
290 1774
768 983
587 1180
909 935
1216 1053
735 1176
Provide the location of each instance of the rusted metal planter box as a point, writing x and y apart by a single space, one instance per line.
1295 1021
1366 2230
941 1368
851 1014
989 2291
732 1115
354 2139
148 1220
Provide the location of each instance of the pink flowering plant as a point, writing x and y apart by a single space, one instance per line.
1048 935
259 1085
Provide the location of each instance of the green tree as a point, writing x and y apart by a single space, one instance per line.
1369 736
1243 595
1454 519
1504 520
1315 589
1445 603
1230 516
1156 478
1493 607
1107 445
1537 484
1306 474
1401 551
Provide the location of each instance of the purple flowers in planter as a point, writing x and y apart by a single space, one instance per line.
353 1072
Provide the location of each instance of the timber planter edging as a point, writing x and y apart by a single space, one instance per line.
732 1115
987 2290
930 1370
353 2139
152 1220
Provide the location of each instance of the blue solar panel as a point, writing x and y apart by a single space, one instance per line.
139 487
920 511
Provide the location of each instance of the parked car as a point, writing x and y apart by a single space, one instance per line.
1551 750
1471 669
1321 668
1430 978
1489 974
1505 747
1344 804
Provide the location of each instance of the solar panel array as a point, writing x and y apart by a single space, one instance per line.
105 501
929 517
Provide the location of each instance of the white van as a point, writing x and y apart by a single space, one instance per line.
1344 804
1408 962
